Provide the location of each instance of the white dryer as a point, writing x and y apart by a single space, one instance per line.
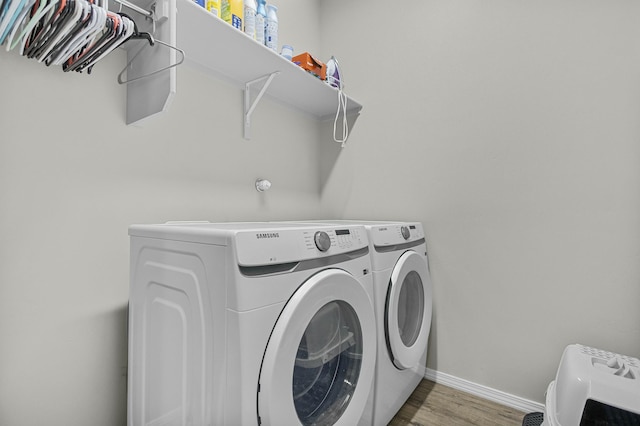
249 324
403 304
403 307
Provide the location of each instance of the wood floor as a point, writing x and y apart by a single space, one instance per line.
433 404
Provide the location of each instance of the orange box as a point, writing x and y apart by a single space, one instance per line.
311 64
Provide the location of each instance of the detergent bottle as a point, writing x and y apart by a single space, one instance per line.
250 9
261 21
232 13
213 6
271 32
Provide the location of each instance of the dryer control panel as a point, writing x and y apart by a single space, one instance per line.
393 234
293 245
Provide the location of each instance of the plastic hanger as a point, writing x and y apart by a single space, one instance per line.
128 32
82 56
146 36
65 27
65 34
20 23
52 26
70 34
43 8
37 35
119 30
9 18
82 36
2 4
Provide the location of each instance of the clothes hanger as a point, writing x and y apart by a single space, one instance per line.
9 18
74 36
128 31
21 22
30 30
2 7
84 38
53 26
81 37
120 30
83 55
69 35
42 25
146 36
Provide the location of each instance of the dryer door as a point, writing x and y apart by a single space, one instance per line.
319 362
408 310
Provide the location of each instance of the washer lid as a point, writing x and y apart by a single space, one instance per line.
319 362
408 310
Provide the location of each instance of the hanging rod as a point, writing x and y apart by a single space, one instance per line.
147 13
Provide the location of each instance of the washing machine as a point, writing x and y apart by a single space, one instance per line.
403 307
250 324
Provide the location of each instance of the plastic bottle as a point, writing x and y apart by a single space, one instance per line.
287 51
213 6
271 32
250 10
231 11
261 21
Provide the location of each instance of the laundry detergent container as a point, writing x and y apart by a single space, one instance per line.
594 387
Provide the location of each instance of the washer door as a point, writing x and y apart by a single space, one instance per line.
319 362
408 310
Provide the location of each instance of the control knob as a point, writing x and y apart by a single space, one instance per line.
322 240
405 232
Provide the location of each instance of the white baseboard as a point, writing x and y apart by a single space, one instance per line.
522 404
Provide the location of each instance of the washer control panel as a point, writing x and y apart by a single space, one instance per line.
338 240
406 233
281 245
322 240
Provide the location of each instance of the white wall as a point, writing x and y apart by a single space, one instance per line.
73 177
512 131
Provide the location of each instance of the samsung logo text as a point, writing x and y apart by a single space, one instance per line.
268 235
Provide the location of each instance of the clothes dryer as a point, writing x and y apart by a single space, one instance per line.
403 307
403 304
250 324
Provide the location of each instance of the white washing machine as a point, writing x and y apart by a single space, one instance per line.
403 307
250 324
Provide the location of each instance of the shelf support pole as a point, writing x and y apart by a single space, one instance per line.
249 107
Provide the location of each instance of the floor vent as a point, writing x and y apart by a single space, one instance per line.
533 419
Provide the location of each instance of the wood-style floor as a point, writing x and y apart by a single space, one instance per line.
433 404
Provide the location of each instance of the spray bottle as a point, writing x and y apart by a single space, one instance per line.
271 32
250 18
261 21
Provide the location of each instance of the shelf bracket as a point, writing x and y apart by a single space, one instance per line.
249 106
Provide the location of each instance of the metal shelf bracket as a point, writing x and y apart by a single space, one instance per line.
249 106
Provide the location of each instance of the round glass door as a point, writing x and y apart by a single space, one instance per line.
319 362
327 366
411 308
408 312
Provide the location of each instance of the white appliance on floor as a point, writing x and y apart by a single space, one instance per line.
403 304
403 307
250 324
594 387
